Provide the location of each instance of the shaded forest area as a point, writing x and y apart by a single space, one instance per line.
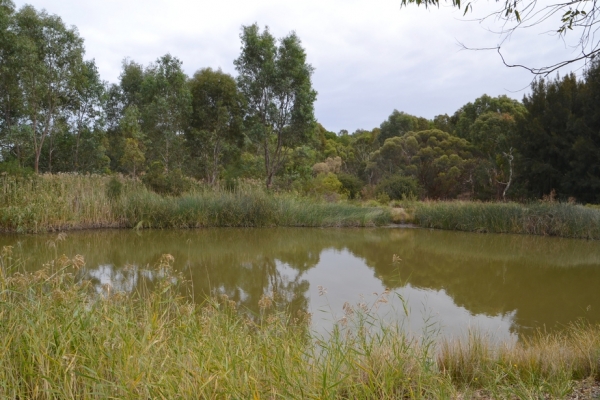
158 124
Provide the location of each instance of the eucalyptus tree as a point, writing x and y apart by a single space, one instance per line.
161 95
214 133
10 94
166 104
276 82
399 123
133 156
363 144
49 54
114 107
490 124
78 140
87 117
441 163
131 82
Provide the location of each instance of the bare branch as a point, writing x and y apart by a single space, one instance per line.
578 16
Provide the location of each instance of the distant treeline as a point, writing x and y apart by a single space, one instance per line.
157 123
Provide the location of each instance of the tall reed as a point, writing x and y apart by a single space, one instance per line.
537 218
71 201
60 337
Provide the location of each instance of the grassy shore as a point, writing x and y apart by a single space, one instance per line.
536 218
69 201
62 338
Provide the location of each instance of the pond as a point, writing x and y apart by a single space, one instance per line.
438 281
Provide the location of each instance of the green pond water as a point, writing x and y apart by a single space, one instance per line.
506 285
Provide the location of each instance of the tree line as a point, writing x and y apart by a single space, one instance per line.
158 124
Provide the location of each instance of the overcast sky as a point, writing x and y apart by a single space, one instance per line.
370 56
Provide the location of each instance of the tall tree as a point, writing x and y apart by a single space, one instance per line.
276 81
49 55
114 107
489 123
214 131
399 123
86 111
165 111
132 156
441 163
10 94
161 95
465 117
560 137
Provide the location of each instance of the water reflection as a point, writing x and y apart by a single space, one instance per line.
507 284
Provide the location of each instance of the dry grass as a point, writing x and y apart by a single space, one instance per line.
544 365
61 337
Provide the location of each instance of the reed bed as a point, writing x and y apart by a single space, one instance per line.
70 201
63 337
244 209
537 218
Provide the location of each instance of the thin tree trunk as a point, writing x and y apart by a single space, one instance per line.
509 156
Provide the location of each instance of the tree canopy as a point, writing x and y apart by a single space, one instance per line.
439 161
276 81
559 140
215 128
161 126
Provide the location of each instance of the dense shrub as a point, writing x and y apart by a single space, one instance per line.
327 185
351 184
13 168
398 186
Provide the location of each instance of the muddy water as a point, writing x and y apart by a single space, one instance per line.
439 281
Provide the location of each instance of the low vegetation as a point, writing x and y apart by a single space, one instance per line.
536 218
41 203
72 201
63 337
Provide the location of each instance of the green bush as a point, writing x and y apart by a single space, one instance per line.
13 168
352 184
326 185
397 186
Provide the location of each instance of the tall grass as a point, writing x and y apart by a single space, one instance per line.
243 209
70 201
61 338
52 202
537 218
